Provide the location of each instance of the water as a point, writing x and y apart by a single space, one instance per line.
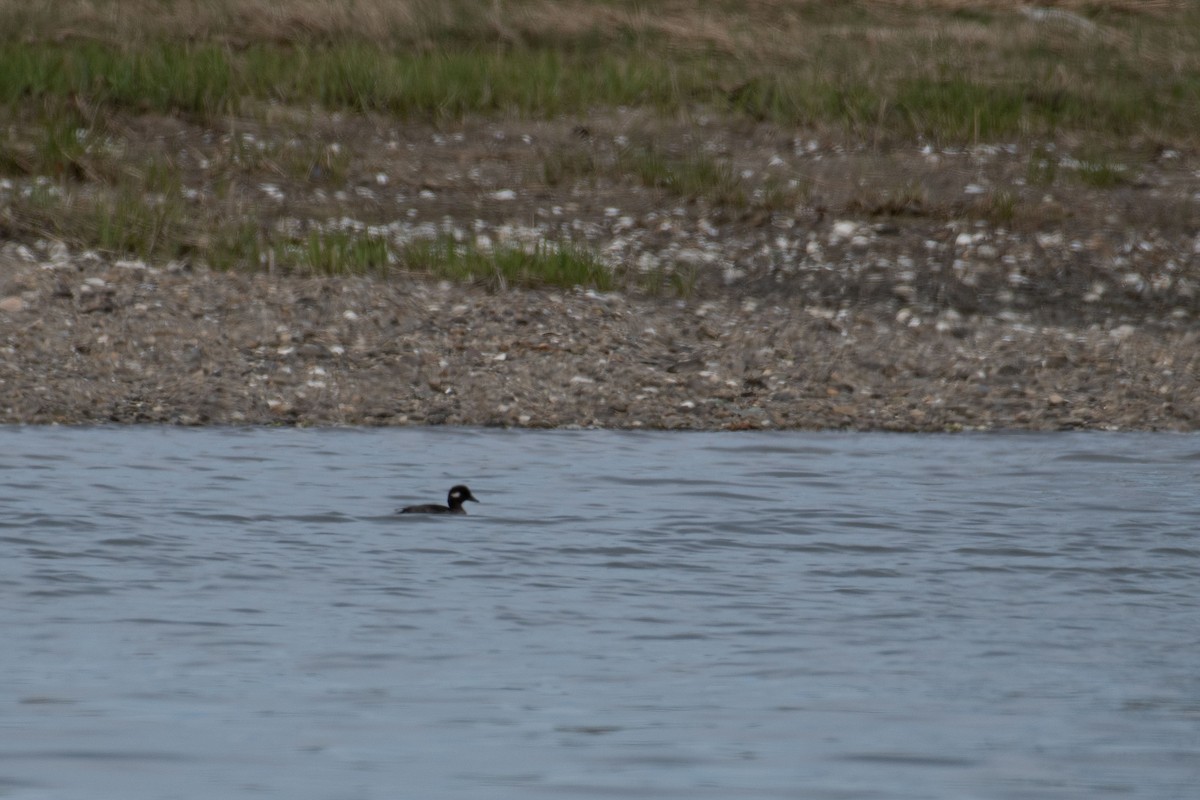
225 613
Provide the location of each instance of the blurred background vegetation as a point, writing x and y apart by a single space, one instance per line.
1116 78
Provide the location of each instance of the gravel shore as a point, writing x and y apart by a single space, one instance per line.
829 286
86 340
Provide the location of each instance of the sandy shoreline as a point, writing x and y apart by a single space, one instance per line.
92 341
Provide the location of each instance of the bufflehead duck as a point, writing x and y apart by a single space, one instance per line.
458 495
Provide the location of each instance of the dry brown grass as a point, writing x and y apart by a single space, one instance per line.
1124 6
129 21
684 23
414 21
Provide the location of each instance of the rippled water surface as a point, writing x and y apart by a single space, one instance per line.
224 614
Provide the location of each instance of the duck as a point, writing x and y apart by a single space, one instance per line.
457 496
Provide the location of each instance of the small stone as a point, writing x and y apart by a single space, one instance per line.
842 229
12 304
1122 332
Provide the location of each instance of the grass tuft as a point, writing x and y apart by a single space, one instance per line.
1043 167
546 264
335 253
677 280
998 207
566 165
911 199
695 176
1102 174
123 220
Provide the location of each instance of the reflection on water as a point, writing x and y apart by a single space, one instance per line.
222 613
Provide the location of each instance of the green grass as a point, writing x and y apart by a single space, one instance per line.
696 175
946 93
693 175
239 245
676 280
547 264
335 253
1043 167
123 220
1102 173
53 141
211 80
148 226
1098 171
1000 207
163 227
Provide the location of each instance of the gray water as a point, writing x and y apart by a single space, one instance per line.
229 614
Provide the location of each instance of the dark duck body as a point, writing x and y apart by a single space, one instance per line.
458 495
